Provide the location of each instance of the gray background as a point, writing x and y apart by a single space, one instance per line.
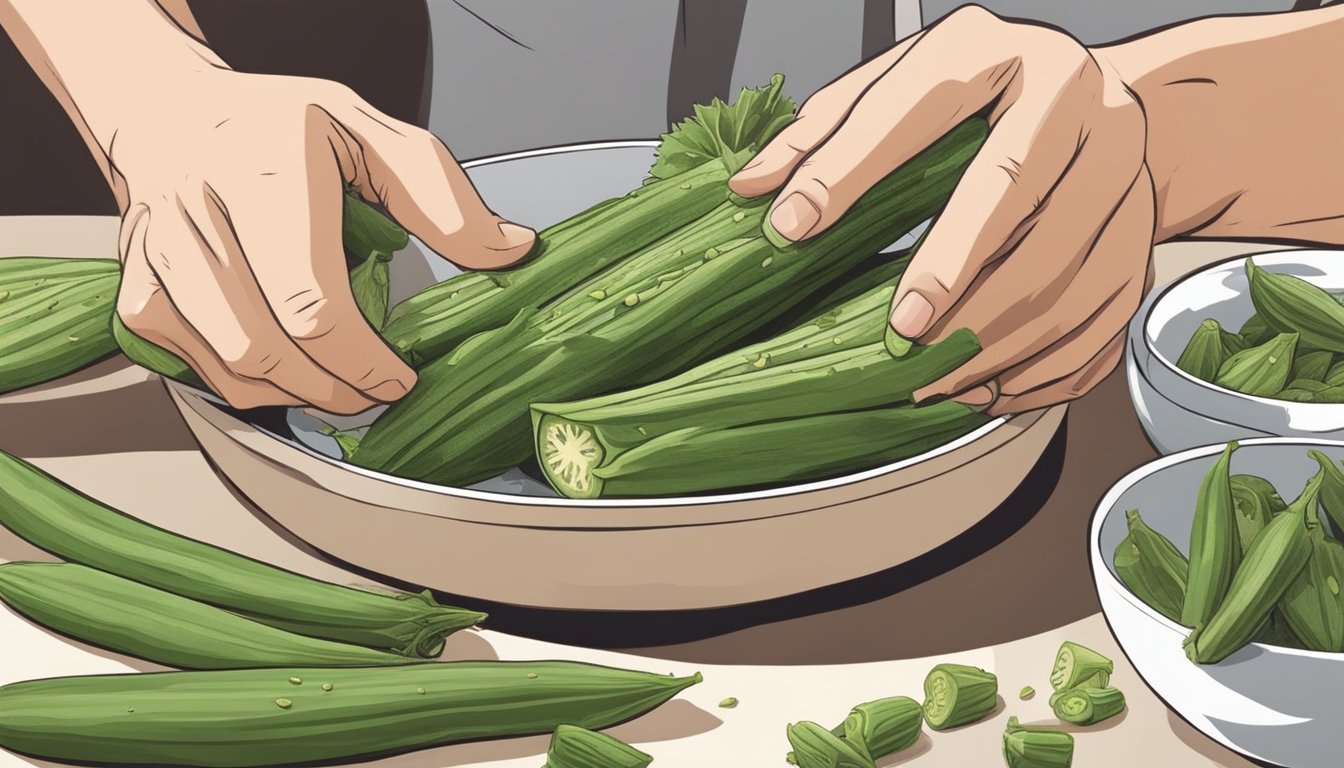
519 74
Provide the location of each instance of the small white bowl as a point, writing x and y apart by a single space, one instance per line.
1274 704
1179 411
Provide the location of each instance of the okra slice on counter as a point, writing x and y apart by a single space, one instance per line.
957 694
575 747
53 317
1151 567
1214 548
1036 746
883 727
816 747
304 715
1205 353
1087 706
1077 666
1270 567
56 518
1290 304
131 618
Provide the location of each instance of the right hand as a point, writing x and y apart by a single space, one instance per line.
230 187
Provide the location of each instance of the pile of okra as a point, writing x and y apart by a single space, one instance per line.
1259 570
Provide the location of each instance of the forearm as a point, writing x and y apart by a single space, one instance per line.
100 59
1242 142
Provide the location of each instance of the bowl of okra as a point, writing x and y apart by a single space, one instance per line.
1219 572
1250 347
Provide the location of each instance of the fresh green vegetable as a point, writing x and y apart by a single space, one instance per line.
1087 706
728 703
368 281
957 694
366 230
1214 549
1255 331
53 317
883 727
1272 564
665 309
816 747
241 718
1205 352
1151 567
1312 365
1036 746
1312 606
131 618
1290 304
54 517
580 443
1027 692
1255 502
1077 666
575 747
1260 371
732 132
1332 488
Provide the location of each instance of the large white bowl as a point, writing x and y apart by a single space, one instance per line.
511 541
1179 411
1275 704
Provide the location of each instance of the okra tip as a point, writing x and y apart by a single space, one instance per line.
429 642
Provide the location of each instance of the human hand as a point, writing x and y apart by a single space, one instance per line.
1044 248
231 186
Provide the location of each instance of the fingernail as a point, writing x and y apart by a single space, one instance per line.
390 390
978 398
516 235
911 316
795 216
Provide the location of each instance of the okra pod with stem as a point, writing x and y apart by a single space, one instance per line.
1312 606
957 694
1270 567
1332 489
1260 371
131 618
304 715
883 727
1087 706
1152 568
816 747
1255 331
1290 304
1077 666
56 518
1036 747
575 747
1312 365
1214 548
1205 352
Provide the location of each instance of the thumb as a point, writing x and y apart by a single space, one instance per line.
420 183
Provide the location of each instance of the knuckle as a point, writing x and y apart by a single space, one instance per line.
250 358
308 315
972 16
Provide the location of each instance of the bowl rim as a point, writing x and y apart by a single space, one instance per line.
1102 577
969 438
1145 321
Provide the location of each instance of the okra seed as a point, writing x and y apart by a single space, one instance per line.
739 216
599 295
327 686
420 691
838 340
284 703
531 675
768 261
728 703
1026 693
296 681
632 300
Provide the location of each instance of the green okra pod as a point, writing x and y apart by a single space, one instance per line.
1255 331
883 727
1260 371
1152 568
1270 567
1309 385
1332 488
1335 376
1077 666
368 282
131 618
1036 746
957 694
1087 706
1290 304
1214 549
1205 352
816 747
1312 606
1312 365
575 747
1256 502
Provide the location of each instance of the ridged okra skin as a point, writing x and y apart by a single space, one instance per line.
1214 547
53 317
464 422
431 323
1152 568
575 747
247 718
50 515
